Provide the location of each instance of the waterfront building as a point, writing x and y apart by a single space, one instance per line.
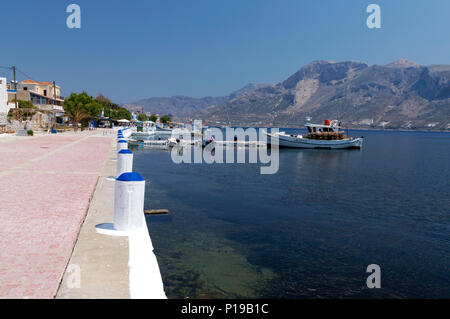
47 99
4 104
44 95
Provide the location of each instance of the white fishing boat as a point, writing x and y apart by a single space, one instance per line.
320 136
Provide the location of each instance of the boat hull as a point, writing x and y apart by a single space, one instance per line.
301 142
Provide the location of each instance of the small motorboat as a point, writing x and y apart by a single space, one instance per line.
320 136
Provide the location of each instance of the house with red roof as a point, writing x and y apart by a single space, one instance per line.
44 95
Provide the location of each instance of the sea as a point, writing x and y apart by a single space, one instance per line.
311 230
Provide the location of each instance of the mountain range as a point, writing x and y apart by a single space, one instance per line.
402 94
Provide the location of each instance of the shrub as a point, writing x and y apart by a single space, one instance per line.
26 104
30 132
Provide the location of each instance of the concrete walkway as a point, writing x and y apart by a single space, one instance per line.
99 261
46 184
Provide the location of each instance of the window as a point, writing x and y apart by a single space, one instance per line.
25 88
45 92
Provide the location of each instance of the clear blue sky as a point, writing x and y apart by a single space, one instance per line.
135 49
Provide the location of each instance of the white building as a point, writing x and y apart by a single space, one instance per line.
4 105
366 122
3 96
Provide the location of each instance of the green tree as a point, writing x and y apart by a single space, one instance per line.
142 117
81 107
112 110
153 118
165 119
121 113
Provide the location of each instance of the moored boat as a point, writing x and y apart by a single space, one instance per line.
320 136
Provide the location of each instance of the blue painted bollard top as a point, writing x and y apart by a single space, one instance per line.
130 177
125 152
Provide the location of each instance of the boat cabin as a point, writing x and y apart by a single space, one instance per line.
327 130
327 126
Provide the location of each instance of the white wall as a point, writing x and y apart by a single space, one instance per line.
3 96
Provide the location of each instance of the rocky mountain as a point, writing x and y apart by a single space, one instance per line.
403 63
402 94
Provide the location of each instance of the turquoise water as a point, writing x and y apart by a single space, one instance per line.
311 230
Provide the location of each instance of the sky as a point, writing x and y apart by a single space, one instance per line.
134 49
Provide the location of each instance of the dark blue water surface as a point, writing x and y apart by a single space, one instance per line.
311 230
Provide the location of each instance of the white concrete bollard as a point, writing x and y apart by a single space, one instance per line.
124 162
122 145
129 202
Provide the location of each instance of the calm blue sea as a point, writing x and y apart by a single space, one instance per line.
311 230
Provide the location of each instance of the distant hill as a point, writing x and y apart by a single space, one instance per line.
184 107
178 106
402 94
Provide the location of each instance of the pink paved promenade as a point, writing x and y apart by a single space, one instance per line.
45 187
